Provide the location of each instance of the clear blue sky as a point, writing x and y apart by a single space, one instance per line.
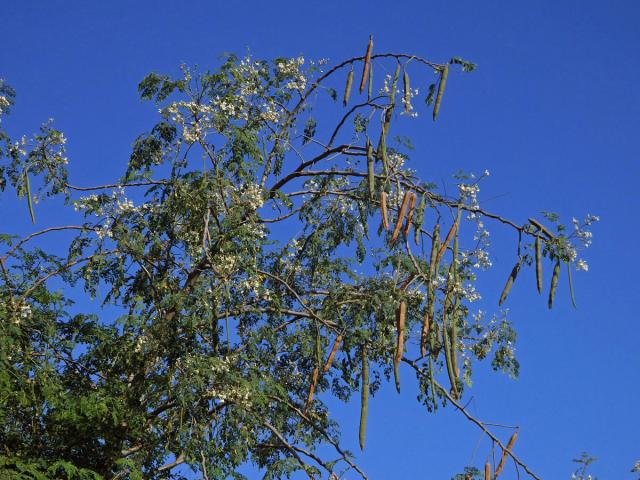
553 112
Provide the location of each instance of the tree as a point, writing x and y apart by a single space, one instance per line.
258 255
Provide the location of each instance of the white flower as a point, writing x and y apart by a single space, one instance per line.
582 265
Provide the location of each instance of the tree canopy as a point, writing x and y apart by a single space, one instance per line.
263 256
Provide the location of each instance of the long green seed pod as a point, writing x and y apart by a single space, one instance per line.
446 340
503 459
27 185
383 210
367 63
444 73
538 248
435 236
394 85
371 175
401 212
554 282
347 88
510 280
433 384
573 298
454 338
406 91
401 316
364 399
381 150
419 219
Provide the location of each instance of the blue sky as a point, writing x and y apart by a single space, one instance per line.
553 111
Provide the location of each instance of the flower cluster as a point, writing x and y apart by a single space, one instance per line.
291 69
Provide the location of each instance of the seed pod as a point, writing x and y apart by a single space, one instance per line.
371 170
510 280
401 212
409 220
381 151
347 88
406 91
424 333
538 248
444 73
435 240
503 459
401 315
487 471
573 298
383 210
450 235
27 185
312 388
446 340
334 350
419 218
554 282
541 227
364 399
370 84
367 64
454 338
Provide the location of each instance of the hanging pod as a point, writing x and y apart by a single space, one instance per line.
487 471
347 88
371 177
364 399
444 73
367 63
409 221
503 459
406 91
312 388
452 232
538 250
401 315
554 282
401 213
424 332
446 339
383 209
27 186
573 298
510 280
334 350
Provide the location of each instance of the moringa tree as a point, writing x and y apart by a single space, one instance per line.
262 256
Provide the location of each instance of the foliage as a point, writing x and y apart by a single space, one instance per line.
242 244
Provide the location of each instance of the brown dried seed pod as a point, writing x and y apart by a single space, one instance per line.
510 280
554 282
312 388
444 73
334 350
367 63
401 212
538 249
503 459
450 235
364 399
409 221
347 88
487 471
401 315
383 210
